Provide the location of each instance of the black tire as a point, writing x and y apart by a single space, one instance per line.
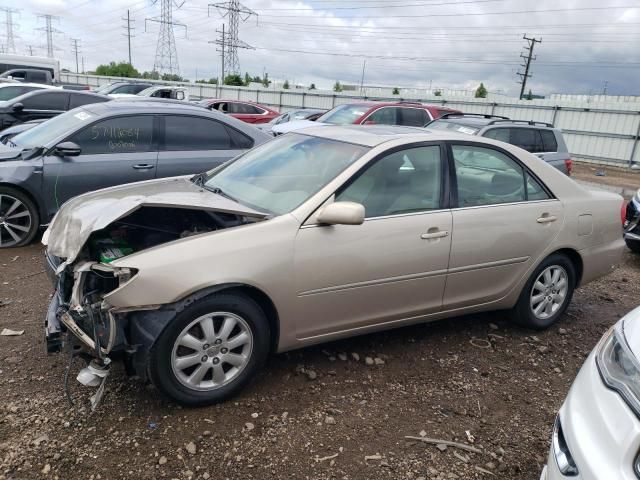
634 245
25 237
523 314
160 366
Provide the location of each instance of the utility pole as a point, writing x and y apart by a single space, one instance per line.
74 46
166 60
234 11
364 63
30 47
83 64
128 28
604 88
10 35
49 31
531 42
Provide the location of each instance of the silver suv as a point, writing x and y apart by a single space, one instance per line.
542 139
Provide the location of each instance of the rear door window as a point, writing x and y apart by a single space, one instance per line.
501 134
528 139
117 135
549 140
183 133
78 99
47 101
413 117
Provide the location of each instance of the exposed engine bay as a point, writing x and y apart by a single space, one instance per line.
78 316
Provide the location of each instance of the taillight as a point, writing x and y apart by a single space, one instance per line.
568 163
623 212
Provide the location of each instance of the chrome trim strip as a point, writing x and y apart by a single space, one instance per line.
370 283
481 266
384 217
631 236
506 204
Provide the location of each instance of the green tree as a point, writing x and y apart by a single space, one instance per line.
530 95
233 79
285 85
247 79
481 91
312 86
256 79
152 75
265 80
212 81
396 91
337 87
438 93
113 69
172 77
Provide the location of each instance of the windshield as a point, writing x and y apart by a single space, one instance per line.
452 127
344 114
49 131
9 92
280 175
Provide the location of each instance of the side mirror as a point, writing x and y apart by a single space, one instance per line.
17 107
342 213
67 149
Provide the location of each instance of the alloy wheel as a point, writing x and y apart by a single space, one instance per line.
15 221
211 351
549 291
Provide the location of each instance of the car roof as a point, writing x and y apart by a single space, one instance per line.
373 103
42 91
366 135
28 84
480 122
125 105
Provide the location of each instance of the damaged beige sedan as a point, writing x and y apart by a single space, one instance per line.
317 235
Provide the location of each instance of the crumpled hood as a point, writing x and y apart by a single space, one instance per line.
294 125
83 215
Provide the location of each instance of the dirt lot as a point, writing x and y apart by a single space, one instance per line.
476 380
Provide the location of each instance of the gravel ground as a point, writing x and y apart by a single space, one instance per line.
336 411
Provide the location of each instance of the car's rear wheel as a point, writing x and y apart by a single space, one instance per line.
547 293
19 220
210 350
634 245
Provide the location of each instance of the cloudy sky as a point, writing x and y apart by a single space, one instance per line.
586 44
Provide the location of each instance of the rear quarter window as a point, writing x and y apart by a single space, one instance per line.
549 140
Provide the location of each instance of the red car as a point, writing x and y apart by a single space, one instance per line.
246 111
412 114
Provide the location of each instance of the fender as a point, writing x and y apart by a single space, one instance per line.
25 175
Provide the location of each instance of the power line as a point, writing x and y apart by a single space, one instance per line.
473 14
234 11
529 57
128 28
166 60
10 35
49 30
75 47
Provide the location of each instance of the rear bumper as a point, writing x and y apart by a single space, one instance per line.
601 432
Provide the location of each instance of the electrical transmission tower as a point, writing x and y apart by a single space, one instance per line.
10 35
128 28
75 47
49 30
234 12
166 54
528 57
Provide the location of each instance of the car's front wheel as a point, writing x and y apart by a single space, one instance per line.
19 220
547 293
211 349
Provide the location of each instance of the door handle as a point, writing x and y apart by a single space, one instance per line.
143 166
436 234
547 218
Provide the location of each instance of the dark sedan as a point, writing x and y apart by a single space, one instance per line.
46 103
103 145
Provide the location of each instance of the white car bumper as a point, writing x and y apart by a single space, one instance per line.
601 432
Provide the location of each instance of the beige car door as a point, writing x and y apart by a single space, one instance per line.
391 267
500 226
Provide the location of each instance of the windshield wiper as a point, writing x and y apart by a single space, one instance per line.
219 191
199 179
